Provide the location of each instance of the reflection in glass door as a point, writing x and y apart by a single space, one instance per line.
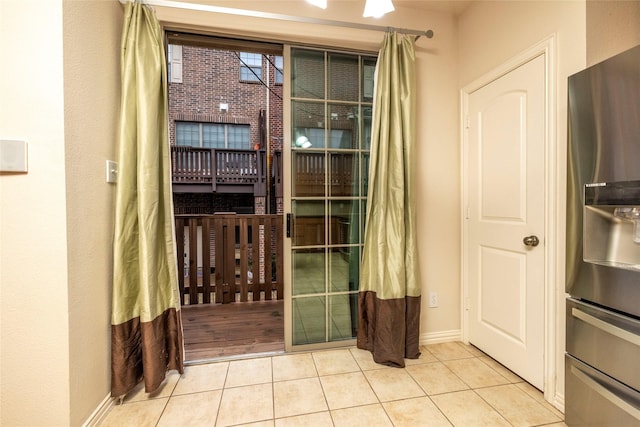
329 132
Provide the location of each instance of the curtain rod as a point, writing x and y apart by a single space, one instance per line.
269 15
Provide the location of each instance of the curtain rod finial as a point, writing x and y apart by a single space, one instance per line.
428 33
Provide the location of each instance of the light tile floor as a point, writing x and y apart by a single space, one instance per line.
452 384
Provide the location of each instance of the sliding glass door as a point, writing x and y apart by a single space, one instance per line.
327 132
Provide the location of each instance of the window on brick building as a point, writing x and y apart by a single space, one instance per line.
250 67
279 64
213 135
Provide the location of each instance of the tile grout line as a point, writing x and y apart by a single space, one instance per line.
438 360
164 408
224 383
474 389
491 406
508 383
273 394
373 389
527 395
324 394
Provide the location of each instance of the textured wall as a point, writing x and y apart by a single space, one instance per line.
34 352
56 221
612 27
92 32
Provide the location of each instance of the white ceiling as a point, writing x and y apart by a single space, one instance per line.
455 7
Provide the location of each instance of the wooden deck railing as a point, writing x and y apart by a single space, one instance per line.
234 169
191 165
229 258
309 169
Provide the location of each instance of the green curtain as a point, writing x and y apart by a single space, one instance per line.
390 291
146 330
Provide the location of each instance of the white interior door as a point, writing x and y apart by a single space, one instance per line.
505 206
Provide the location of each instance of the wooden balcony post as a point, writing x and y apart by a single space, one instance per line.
214 169
277 172
193 260
259 186
206 260
181 255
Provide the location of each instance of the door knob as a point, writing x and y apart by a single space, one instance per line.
531 241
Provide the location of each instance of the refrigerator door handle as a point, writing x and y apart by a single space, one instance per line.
598 387
606 327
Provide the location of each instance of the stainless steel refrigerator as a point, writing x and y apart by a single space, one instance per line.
602 361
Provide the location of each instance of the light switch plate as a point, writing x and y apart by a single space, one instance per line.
13 156
112 171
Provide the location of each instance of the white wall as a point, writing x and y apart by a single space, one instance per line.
491 33
438 180
612 27
92 31
33 243
59 94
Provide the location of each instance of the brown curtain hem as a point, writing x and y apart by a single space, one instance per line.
145 351
389 328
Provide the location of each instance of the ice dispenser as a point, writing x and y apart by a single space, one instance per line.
612 224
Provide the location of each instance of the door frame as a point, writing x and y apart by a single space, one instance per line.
552 293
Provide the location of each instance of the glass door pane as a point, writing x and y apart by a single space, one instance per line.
329 128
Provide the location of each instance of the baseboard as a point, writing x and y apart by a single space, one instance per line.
439 337
558 402
100 412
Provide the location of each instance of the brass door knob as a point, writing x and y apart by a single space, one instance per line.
531 241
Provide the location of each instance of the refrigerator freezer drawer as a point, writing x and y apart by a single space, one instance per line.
594 399
605 340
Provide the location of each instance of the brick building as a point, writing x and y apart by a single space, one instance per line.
219 99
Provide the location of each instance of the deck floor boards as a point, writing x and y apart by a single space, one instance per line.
214 331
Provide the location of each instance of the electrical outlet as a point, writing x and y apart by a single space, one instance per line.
433 299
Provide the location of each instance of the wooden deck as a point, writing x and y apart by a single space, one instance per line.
225 330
